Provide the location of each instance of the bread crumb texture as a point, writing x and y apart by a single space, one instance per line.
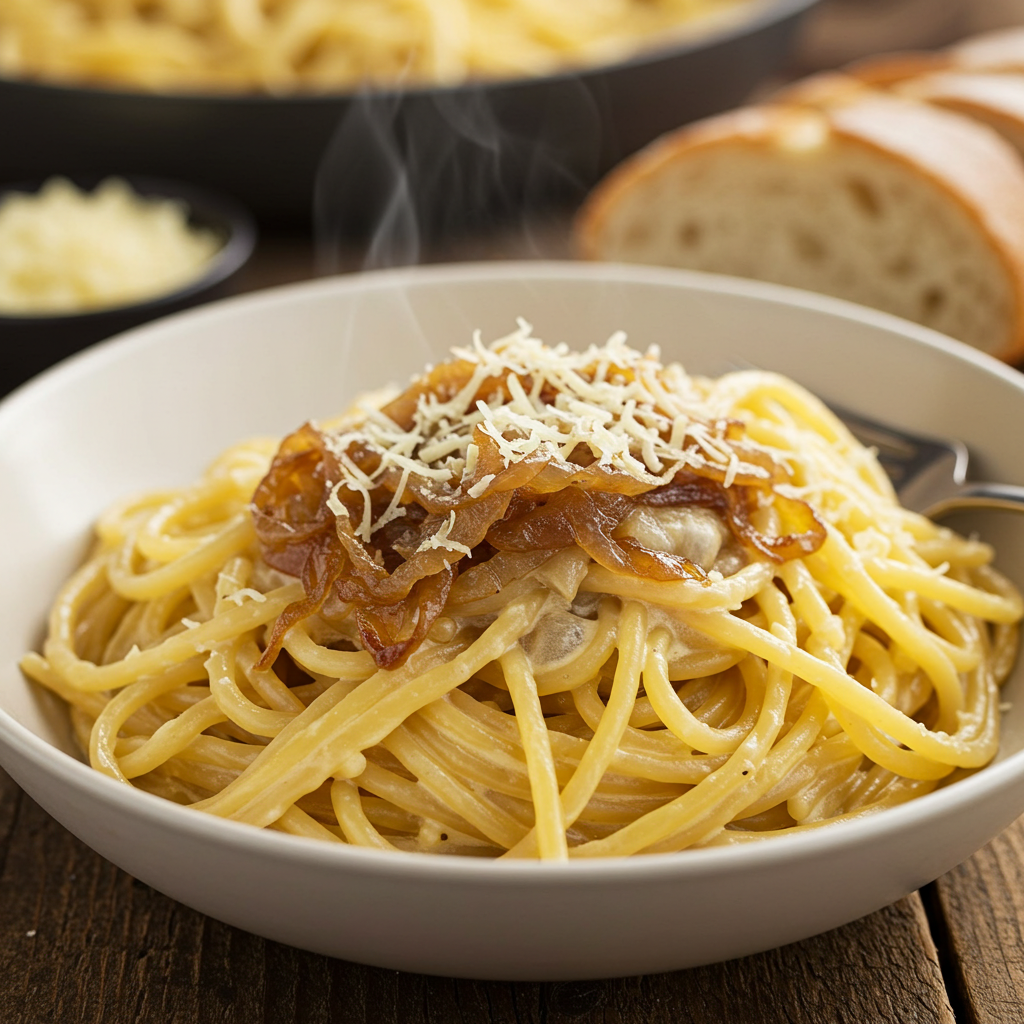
838 218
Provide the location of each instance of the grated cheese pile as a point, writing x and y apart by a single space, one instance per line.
649 422
67 251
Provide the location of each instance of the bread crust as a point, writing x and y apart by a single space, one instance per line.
968 162
884 70
993 88
825 89
1001 50
995 99
751 126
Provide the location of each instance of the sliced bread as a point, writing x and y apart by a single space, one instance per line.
884 201
993 99
999 50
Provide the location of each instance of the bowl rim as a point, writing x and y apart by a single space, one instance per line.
223 212
650 868
764 13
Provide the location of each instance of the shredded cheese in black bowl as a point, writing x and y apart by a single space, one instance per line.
82 260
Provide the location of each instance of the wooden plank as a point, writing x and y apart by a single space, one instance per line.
83 943
982 910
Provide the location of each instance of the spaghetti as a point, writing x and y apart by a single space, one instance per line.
540 604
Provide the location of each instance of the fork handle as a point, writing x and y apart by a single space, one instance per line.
979 495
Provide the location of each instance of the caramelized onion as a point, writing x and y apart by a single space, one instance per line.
312 523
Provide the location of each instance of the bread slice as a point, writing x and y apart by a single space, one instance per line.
993 52
887 202
826 89
993 99
887 69
999 50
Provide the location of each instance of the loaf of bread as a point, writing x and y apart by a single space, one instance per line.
903 198
992 98
1001 50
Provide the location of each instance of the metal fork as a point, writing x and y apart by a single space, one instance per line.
929 473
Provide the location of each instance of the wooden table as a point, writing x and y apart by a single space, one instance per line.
81 941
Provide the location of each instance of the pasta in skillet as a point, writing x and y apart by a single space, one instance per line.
284 45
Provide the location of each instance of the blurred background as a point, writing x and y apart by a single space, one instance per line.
842 30
438 168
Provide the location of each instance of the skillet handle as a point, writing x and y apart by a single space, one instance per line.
979 495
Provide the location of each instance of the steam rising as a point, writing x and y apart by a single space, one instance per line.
404 170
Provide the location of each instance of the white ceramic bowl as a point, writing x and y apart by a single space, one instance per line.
154 406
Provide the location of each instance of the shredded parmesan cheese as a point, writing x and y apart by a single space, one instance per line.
65 251
442 540
630 412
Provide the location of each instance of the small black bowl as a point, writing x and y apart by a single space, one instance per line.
31 343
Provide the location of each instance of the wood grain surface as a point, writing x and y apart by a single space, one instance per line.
980 911
81 942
